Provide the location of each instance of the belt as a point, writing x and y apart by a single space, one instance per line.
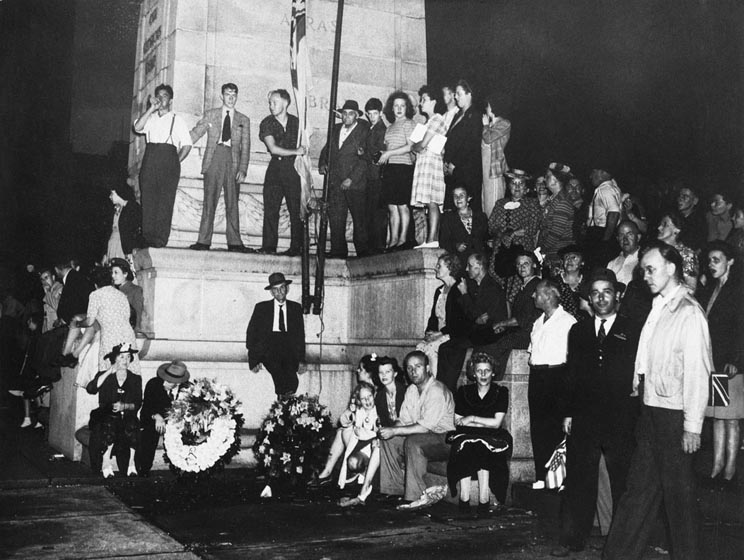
545 366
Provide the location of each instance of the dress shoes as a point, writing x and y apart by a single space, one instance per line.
199 247
291 253
263 251
239 249
335 256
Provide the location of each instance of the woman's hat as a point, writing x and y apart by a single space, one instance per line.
120 263
277 279
559 167
174 372
518 175
123 348
352 105
570 249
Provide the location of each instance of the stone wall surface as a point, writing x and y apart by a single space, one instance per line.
197 45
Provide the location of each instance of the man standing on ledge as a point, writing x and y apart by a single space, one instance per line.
224 165
276 337
280 132
673 367
426 415
168 144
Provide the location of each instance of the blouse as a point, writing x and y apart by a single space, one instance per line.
396 136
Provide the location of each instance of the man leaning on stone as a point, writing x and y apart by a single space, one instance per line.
426 415
224 166
672 368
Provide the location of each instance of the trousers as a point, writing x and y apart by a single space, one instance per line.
281 182
220 176
340 203
158 180
544 392
404 461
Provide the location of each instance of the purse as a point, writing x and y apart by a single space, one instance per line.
718 395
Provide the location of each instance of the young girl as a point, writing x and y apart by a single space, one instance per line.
356 439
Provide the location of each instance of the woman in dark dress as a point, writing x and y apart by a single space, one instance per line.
114 426
463 231
447 319
480 446
722 302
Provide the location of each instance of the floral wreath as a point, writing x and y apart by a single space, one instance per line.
291 444
202 430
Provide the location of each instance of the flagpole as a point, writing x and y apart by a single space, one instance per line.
320 270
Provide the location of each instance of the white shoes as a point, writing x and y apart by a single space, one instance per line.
26 422
108 471
430 245
16 392
539 485
132 471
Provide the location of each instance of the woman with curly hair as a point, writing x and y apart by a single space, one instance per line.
480 445
397 176
669 230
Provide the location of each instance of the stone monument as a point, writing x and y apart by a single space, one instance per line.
197 45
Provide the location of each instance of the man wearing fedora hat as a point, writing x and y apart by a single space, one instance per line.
346 159
160 392
600 412
275 337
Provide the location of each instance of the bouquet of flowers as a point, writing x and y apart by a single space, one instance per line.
291 444
202 431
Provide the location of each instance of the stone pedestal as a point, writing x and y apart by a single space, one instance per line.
197 45
517 419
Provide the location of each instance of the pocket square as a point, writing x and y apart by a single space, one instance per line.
621 336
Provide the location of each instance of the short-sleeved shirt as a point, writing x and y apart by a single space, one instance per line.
607 198
396 136
283 137
433 408
549 339
157 130
469 403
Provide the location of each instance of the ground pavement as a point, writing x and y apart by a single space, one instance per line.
53 508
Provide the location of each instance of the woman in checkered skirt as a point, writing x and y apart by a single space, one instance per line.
428 176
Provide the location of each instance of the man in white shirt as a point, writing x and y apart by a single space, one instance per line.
672 367
549 350
168 144
628 236
426 415
448 96
604 215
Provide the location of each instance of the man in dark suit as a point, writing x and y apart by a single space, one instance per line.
160 392
224 165
347 160
74 298
600 412
276 336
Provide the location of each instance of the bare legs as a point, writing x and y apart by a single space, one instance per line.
399 219
337 450
108 463
433 215
726 434
484 492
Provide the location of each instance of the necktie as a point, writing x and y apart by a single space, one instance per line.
282 324
226 126
602 334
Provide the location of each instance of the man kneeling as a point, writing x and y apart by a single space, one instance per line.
417 437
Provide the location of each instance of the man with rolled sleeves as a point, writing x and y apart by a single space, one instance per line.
168 144
672 367
224 166
426 415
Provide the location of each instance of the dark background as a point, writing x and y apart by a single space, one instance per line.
648 88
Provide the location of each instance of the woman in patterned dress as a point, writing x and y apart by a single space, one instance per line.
397 175
428 175
669 229
513 225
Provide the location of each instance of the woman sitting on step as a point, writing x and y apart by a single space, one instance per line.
480 446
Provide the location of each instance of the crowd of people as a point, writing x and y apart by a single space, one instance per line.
632 316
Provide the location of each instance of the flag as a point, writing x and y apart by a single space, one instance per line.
299 66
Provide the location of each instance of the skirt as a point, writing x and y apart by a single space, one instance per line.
397 182
735 408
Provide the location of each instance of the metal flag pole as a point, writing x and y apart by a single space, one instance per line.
320 270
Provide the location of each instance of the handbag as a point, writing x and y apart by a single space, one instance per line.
718 395
556 466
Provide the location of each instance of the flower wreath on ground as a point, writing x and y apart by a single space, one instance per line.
202 431
291 446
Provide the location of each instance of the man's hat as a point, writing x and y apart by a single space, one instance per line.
277 279
123 348
174 372
601 274
352 105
